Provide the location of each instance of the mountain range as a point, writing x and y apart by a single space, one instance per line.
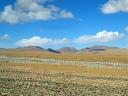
64 49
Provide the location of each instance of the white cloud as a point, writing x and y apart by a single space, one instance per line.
126 29
38 41
4 37
65 14
100 37
114 6
32 10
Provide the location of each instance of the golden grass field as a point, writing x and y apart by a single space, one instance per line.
116 55
69 69
61 80
64 80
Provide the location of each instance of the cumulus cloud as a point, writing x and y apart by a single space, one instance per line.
38 41
126 29
100 37
32 10
4 37
114 6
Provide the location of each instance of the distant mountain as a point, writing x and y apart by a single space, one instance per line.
2 48
98 48
67 50
103 47
64 49
51 50
36 48
31 48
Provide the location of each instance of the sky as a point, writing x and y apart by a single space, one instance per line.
62 23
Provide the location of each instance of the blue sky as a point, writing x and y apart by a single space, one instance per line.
61 23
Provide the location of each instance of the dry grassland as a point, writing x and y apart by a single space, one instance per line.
60 80
69 69
64 80
120 56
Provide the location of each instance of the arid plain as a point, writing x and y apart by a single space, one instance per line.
56 79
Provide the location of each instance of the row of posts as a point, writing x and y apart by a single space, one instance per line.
30 60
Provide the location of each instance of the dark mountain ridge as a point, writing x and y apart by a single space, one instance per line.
67 50
64 49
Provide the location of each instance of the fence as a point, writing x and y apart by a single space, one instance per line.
28 60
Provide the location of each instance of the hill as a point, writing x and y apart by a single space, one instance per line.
98 48
67 50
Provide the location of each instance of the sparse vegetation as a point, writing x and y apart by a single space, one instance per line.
28 79
120 56
61 80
